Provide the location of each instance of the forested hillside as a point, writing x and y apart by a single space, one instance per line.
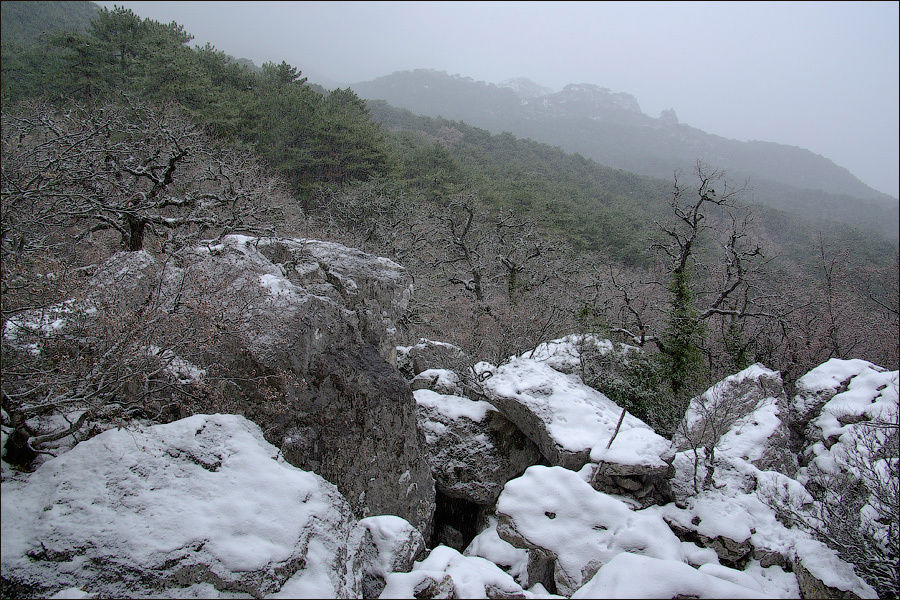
611 129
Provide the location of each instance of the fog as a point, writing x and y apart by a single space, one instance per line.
822 76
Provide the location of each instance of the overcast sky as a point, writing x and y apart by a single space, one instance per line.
819 75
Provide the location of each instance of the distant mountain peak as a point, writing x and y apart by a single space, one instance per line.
526 88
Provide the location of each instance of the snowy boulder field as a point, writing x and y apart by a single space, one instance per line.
204 502
551 488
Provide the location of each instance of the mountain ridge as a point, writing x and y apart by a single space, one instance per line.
610 128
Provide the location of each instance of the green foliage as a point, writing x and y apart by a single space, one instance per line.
634 380
23 23
311 139
680 356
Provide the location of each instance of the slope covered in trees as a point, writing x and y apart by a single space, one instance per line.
611 129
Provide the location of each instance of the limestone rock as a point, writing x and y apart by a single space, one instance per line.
312 335
430 354
745 417
472 449
442 381
570 422
821 574
203 502
389 545
554 512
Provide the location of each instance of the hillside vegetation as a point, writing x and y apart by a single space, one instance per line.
611 129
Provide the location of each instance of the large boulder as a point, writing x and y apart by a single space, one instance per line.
430 354
304 335
201 506
574 424
815 388
472 449
557 514
388 544
446 573
743 416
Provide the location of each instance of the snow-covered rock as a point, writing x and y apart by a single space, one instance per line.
446 573
744 415
430 354
570 422
312 334
555 512
629 575
203 500
471 448
565 354
819 385
868 393
821 574
389 544
488 544
442 381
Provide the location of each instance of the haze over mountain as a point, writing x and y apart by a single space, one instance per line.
610 128
821 76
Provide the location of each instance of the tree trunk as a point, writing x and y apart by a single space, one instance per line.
135 239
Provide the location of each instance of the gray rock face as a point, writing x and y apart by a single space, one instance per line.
429 354
472 449
571 423
310 360
646 484
203 501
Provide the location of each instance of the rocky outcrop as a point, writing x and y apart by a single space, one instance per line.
389 544
743 416
472 449
571 423
203 503
311 335
430 354
554 512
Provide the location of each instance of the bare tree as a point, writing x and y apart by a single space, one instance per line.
128 168
855 507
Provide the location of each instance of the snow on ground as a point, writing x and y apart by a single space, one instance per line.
206 493
555 510
472 577
629 575
577 418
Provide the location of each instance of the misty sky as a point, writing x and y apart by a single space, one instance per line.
820 75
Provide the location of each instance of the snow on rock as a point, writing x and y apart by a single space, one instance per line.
819 385
429 354
744 415
471 448
733 516
821 574
442 381
316 332
489 545
446 573
202 500
867 395
570 422
629 575
389 544
555 512
564 354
